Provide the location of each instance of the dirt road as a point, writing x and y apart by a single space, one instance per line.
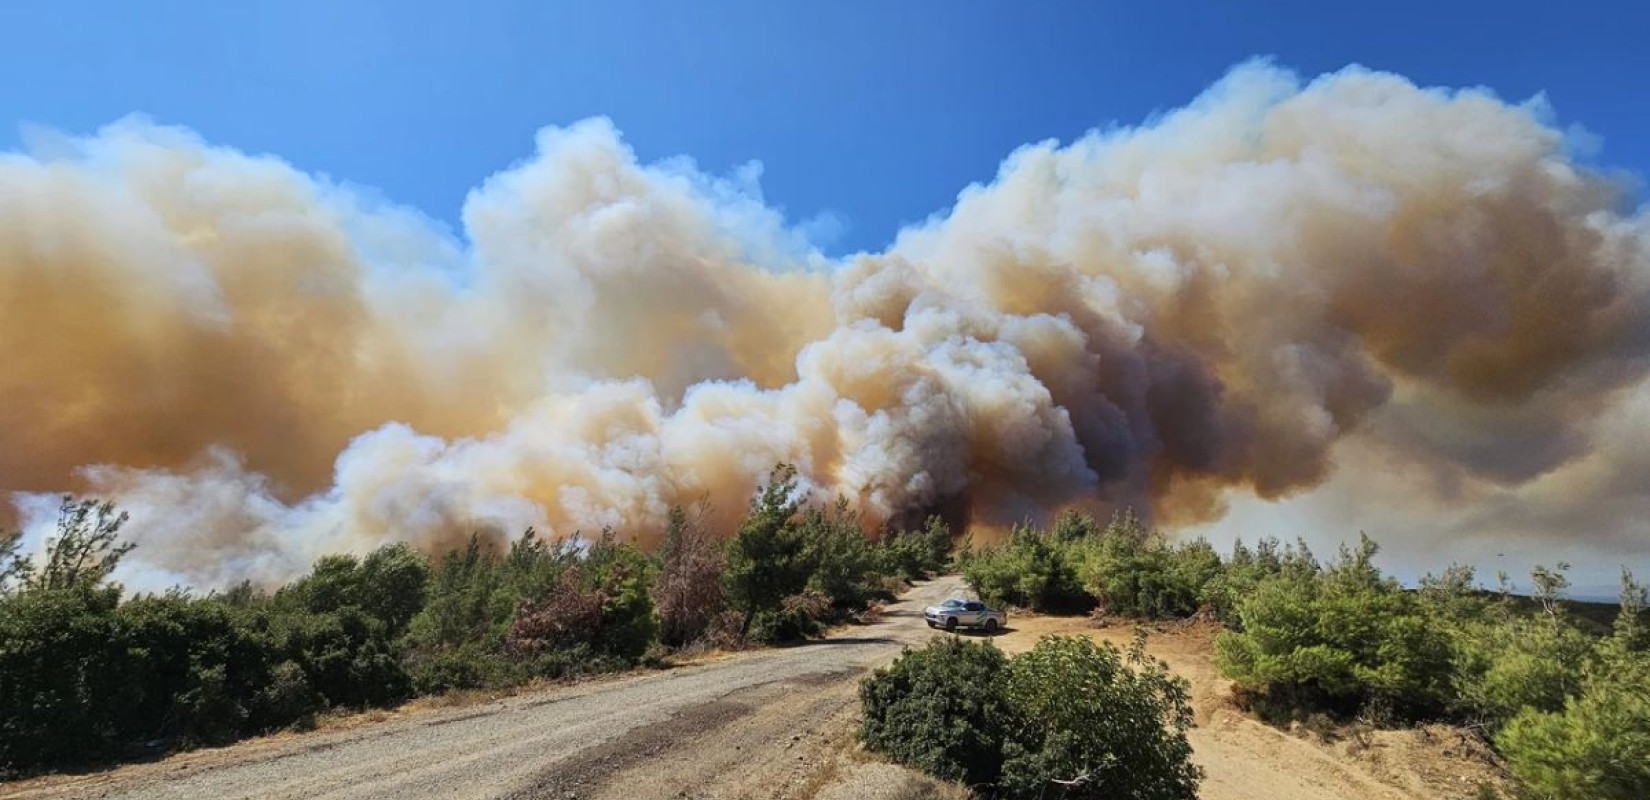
770 724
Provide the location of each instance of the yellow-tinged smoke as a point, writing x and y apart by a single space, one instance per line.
263 366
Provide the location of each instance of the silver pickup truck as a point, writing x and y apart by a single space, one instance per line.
957 613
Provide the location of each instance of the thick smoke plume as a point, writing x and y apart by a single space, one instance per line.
1274 286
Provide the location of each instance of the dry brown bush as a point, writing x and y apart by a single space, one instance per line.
688 592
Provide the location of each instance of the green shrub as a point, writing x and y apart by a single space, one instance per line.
1506 665
1597 747
476 664
62 677
1068 719
781 625
1247 569
196 668
800 617
91 676
768 559
1342 640
623 575
388 586
287 699
457 640
210 709
1123 567
1032 570
844 568
941 709
345 655
82 676
1135 573
1091 723
915 554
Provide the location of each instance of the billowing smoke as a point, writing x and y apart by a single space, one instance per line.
1277 286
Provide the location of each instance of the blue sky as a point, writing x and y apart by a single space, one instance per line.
876 112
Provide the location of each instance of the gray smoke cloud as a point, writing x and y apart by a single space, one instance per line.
1286 298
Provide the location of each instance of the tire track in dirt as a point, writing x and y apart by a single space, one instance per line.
600 771
595 768
777 751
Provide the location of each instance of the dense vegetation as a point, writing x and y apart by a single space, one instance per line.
88 674
1077 564
1565 700
1071 718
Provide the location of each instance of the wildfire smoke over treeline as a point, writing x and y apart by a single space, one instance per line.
1281 283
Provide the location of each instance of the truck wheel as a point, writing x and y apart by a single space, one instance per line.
990 627
950 624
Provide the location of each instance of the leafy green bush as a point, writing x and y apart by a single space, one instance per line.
1597 747
475 664
1568 710
842 562
768 559
286 699
82 675
1077 564
1246 569
196 669
1135 573
1343 640
1506 665
345 655
388 585
1068 719
62 677
1092 723
1032 570
623 575
801 616
915 554
941 709
90 675
457 640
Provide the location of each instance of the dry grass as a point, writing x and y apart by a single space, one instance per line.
929 789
